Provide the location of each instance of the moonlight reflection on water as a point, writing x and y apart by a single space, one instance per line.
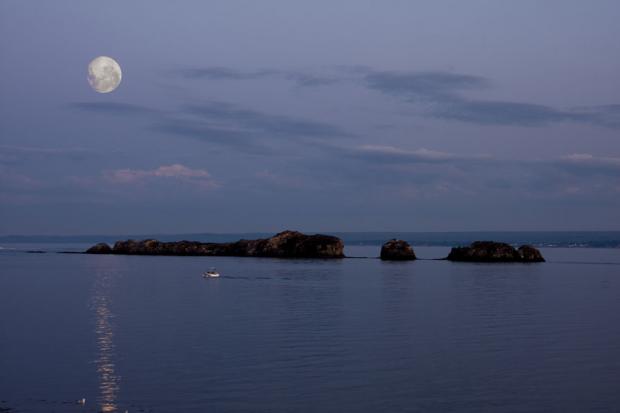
104 331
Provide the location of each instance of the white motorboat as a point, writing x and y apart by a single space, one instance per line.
212 273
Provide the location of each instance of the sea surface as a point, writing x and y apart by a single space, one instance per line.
149 334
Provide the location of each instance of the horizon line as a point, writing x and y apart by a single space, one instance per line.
310 232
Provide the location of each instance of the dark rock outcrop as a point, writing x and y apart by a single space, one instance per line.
287 244
489 251
397 250
101 248
530 254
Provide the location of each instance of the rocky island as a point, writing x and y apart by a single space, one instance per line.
397 250
287 244
489 251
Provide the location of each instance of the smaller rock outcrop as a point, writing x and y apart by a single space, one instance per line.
489 251
101 248
397 250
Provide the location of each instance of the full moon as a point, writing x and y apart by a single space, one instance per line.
104 74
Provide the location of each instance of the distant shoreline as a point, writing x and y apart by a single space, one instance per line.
540 239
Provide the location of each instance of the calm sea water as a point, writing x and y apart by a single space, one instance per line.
149 334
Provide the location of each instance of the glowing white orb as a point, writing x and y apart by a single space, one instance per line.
104 74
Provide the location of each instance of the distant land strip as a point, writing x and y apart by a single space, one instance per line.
563 239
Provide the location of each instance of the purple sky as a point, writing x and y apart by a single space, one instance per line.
319 116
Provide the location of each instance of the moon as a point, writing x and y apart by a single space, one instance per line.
104 74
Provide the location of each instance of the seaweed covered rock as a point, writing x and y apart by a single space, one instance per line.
397 250
489 251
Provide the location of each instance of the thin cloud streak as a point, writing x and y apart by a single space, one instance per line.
423 85
200 177
301 79
261 122
239 140
10 154
422 155
115 108
441 94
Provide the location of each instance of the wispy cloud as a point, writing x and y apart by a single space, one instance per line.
199 177
423 85
245 130
393 154
442 95
115 108
586 158
273 125
427 173
311 80
18 154
606 115
302 79
590 164
508 113
220 135
222 73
